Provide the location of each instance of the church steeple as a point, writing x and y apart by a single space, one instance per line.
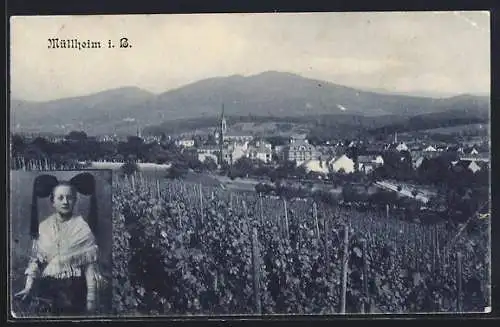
222 131
223 124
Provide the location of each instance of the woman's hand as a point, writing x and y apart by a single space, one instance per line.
23 294
91 306
27 288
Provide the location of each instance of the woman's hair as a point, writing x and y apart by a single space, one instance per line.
44 187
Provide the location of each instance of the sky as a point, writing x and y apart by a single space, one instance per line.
431 52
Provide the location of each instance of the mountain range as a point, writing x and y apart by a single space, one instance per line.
272 94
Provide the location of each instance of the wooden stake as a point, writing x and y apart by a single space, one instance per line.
438 251
365 276
327 246
415 245
433 245
327 234
459 281
286 221
245 214
261 210
345 261
201 204
256 271
315 213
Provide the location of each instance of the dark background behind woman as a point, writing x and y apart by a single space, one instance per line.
20 210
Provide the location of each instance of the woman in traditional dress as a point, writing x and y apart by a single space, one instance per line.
64 258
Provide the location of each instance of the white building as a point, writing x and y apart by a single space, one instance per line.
474 167
402 147
430 152
261 151
185 143
317 166
237 137
208 152
343 163
367 164
238 150
430 148
300 151
203 156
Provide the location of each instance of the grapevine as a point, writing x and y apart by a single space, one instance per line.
192 254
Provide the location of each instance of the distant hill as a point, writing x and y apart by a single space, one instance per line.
329 126
450 118
477 129
424 94
104 109
269 94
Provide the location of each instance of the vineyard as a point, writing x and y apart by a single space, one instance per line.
181 248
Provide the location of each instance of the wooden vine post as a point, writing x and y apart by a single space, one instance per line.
459 281
261 210
415 244
326 248
256 271
201 205
438 251
286 221
315 213
245 215
158 188
366 304
345 261
433 244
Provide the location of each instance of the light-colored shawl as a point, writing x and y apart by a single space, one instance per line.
65 247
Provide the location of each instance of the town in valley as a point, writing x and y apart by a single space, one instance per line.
263 164
234 155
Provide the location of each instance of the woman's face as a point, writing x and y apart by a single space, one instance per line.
64 199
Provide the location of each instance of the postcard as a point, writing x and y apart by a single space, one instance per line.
250 165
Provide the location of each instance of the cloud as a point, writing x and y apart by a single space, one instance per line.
355 66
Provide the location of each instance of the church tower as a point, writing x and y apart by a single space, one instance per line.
223 125
222 132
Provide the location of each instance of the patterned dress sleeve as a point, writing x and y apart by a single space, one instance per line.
91 276
32 270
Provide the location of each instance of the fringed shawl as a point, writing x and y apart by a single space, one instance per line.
64 247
